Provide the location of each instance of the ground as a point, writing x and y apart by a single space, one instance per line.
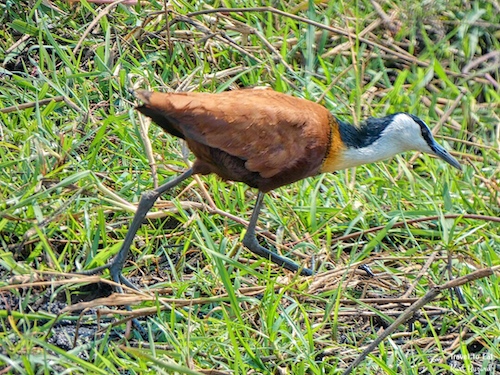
75 158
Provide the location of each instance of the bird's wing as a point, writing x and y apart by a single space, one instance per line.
269 130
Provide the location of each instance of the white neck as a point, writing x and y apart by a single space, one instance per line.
403 134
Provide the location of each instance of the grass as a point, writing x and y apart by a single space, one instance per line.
72 170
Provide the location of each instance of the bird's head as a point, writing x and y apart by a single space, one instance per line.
382 138
414 133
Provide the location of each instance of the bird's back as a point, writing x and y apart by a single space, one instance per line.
260 137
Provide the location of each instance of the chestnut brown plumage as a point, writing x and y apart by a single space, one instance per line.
266 143
266 140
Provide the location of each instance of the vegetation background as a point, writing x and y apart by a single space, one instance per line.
74 160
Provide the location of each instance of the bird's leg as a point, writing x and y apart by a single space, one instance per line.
250 241
147 201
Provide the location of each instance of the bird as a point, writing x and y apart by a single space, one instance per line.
267 139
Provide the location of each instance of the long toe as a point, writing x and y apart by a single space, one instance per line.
95 270
127 282
117 276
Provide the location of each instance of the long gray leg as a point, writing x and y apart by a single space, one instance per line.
250 241
147 201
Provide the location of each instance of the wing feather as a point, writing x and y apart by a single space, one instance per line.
270 131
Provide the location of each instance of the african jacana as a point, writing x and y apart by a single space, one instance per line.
267 139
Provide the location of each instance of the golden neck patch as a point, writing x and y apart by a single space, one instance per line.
333 157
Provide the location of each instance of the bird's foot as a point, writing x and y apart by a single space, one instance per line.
117 276
115 271
253 245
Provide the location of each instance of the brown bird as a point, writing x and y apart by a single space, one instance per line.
267 139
